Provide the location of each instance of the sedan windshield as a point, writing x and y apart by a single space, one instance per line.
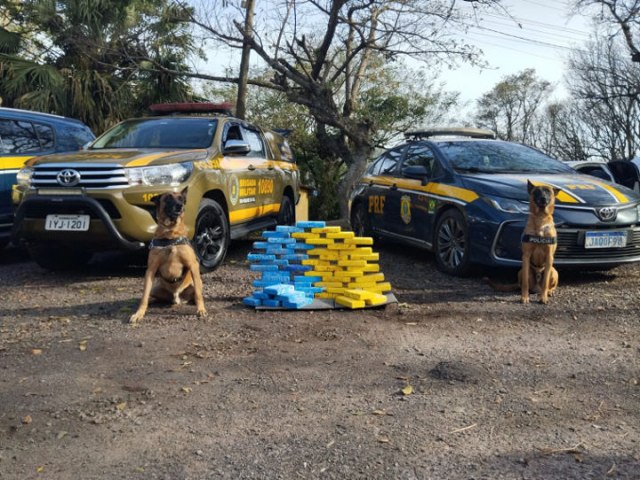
159 133
499 157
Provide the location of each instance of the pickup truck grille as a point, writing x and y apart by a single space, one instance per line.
74 175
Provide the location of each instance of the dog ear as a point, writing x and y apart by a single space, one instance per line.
530 186
556 191
184 194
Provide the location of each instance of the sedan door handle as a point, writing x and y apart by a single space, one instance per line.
251 167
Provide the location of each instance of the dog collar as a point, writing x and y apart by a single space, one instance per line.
526 238
168 242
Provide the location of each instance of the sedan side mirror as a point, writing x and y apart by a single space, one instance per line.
419 172
236 147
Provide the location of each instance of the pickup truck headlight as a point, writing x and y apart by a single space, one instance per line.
23 177
507 205
172 174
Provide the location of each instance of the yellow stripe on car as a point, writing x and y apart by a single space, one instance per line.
441 189
252 212
618 195
13 163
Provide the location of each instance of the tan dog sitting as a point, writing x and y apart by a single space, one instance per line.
539 243
173 271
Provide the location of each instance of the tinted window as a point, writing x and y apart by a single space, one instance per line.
388 162
19 137
45 134
498 157
421 155
159 133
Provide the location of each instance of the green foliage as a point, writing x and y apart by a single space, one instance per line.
86 58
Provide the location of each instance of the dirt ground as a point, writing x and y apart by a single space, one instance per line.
455 381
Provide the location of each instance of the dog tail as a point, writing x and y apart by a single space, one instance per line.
503 287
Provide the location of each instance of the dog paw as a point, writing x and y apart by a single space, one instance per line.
202 313
544 300
136 317
525 300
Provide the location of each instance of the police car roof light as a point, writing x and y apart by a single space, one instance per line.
451 132
225 108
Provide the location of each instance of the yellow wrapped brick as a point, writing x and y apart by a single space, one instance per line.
380 287
359 241
317 251
352 263
325 295
349 302
372 278
353 272
328 284
371 268
328 256
342 275
319 241
359 294
371 257
363 286
360 251
326 268
325 230
376 299
341 235
336 290
310 261
340 246
304 235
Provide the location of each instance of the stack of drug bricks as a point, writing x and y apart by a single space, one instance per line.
312 260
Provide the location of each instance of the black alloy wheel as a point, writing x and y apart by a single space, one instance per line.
212 235
451 246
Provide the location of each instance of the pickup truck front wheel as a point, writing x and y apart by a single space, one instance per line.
59 257
212 235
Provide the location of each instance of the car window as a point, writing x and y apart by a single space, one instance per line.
421 155
45 135
493 156
254 139
159 133
388 162
19 137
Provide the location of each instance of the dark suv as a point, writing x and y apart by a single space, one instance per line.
23 135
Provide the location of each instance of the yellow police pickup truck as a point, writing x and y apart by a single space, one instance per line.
239 178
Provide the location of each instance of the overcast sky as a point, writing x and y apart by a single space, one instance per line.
539 35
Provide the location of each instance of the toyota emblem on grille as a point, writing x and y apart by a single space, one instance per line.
68 178
607 213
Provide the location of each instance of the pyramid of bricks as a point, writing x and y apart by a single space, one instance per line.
313 261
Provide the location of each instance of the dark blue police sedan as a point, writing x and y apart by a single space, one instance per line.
463 195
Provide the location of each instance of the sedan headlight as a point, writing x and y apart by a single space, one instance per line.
172 174
507 205
23 177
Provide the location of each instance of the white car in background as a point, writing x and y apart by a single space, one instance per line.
622 172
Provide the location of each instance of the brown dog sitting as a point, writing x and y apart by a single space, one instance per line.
539 242
173 271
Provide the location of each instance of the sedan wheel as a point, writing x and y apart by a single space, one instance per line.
452 243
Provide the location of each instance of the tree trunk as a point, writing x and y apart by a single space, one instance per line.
241 103
357 167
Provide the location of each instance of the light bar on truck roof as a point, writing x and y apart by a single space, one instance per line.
225 108
451 132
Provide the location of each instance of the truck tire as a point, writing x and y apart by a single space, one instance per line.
211 239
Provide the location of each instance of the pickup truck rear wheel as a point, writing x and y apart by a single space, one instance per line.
59 257
212 235
287 214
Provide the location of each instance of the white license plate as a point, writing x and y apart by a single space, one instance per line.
605 239
67 223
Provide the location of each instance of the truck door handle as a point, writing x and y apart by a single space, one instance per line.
251 167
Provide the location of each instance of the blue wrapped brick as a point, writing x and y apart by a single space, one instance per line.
260 295
298 257
298 268
275 234
311 224
260 257
279 289
251 301
288 229
260 245
296 304
269 267
272 302
281 240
